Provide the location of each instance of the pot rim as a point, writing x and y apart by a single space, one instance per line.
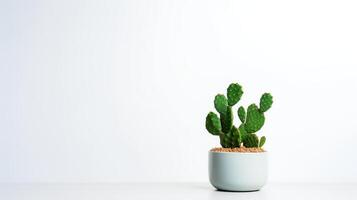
241 153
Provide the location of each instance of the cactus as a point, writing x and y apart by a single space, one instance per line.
243 133
241 114
255 119
231 139
252 120
265 102
262 141
227 120
237 139
213 124
220 103
251 141
234 93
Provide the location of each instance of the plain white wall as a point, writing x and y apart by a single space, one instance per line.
97 91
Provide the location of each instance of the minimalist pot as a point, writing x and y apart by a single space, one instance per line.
235 171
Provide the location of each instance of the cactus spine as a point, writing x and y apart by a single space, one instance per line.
252 120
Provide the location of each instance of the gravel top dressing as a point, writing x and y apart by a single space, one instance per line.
240 149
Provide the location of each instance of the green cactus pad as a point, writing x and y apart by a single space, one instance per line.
265 102
251 141
220 103
222 141
242 131
234 93
237 140
227 120
231 139
213 124
241 114
262 141
234 131
226 140
255 119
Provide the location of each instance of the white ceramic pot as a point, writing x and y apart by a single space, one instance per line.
233 171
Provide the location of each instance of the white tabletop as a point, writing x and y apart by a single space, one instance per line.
168 191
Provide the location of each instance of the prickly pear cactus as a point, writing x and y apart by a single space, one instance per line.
220 103
255 119
231 139
251 141
243 133
252 119
234 93
265 102
262 141
213 124
237 139
227 120
241 114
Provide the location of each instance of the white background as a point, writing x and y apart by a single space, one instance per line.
117 91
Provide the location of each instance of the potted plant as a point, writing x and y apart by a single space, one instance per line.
241 163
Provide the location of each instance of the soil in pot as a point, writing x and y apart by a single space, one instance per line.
240 149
